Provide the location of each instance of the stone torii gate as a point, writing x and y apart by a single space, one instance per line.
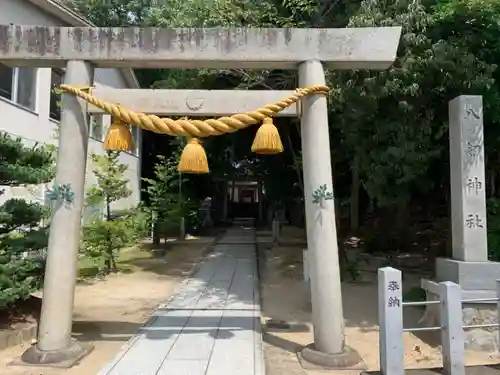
80 50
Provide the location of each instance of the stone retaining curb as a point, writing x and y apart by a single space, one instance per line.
14 337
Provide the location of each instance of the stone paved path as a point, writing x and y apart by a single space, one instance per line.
469 370
210 325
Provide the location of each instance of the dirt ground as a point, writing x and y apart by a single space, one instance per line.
281 272
108 312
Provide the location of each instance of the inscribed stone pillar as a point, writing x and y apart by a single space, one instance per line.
469 267
468 203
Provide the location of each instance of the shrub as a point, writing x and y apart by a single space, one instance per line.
22 238
103 239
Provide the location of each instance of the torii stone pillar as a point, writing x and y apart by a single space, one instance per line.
350 48
328 349
55 344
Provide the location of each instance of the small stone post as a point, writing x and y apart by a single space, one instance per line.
182 229
276 231
498 308
452 332
326 293
260 197
225 201
233 191
232 199
390 316
468 201
55 344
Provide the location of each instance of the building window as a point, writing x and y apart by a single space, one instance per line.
6 75
25 88
56 79
19 85
96 127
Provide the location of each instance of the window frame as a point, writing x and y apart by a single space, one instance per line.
97 119
11 83
14 91
61 73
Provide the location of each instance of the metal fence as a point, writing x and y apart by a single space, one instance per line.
390 310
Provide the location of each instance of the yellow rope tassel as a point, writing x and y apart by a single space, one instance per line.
119 137
267 141
193 158
196 128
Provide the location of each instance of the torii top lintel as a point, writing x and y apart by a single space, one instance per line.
245 48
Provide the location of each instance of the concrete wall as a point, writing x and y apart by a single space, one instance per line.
36 126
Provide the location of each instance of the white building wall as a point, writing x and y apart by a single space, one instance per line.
21 12
36 125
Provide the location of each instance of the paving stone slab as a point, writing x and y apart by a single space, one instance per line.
469 370
146 353
209 326
183 367
198 337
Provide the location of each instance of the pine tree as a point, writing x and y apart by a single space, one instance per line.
111 182
165 193
105 237
22 237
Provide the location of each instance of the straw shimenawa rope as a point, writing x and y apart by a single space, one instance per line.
195 128
193 158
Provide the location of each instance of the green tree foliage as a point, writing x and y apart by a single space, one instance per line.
166 195
22 238
389 130
112 185
391 120
475 26
104 237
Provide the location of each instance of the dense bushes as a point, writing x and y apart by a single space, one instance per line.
493 205
22 238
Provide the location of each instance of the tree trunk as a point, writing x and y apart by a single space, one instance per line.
109 251
294 155
156 233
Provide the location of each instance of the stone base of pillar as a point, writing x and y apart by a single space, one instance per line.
312 359
63 358
472 276
478 281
